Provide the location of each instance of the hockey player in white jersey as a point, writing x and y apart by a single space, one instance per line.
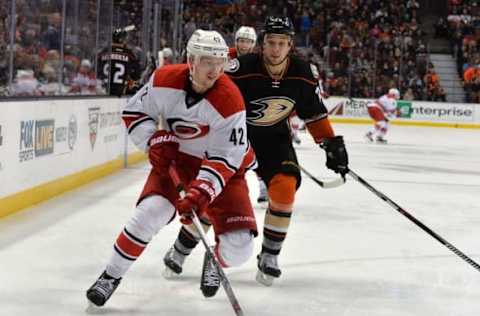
204 132
245 41
381 111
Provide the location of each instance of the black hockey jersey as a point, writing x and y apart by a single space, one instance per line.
118 68
270 102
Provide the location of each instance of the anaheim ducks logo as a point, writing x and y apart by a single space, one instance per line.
270 110
187 130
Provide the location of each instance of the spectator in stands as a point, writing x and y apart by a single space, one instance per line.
472 83
441 28
50 86
25 85
408 96
84 81
51 38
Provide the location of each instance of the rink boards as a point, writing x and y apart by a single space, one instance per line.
410 113
51 146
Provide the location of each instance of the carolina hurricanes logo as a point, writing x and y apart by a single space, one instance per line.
187 130
269 111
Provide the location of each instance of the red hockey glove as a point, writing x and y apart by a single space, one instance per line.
163 150
197 199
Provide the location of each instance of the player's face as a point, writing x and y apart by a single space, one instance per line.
206 70
276 47
244 46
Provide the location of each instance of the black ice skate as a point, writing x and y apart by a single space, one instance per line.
99 293
296 139
263 193
268 268
173 261
369 137
380 140
210 281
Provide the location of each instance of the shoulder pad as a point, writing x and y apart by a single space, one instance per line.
242 64
303 69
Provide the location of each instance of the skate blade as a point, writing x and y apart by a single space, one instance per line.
368 139
169 274
93 309
264 279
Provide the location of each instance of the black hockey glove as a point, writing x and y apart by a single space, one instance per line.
337 157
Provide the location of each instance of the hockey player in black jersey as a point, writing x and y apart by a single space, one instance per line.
273 84
118 66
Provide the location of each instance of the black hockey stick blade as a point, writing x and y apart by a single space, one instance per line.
324 184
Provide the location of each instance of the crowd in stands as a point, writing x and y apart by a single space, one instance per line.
463 30
361 47
39 49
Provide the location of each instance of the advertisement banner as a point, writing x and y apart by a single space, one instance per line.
404 109
355 107
409 110
44 140
445 112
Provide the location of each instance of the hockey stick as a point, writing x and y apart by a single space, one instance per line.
326 185
196 221
416 221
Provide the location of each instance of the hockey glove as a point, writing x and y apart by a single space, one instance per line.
163 150
337 157
197 198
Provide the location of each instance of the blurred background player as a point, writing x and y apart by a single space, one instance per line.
204 132
119 67
381 111
245 41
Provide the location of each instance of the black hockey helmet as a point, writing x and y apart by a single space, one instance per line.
119 35
278 25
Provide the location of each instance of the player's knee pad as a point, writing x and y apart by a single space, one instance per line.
290 168
235 248
151 214
281 191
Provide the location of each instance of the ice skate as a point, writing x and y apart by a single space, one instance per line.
99 293
268 268
210 281
173 261
380 140
296 139
263 193
369 137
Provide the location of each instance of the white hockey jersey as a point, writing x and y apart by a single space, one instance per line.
385 103
211 127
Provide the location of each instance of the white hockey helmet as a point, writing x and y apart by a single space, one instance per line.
247 32
207 43
167 52
394 92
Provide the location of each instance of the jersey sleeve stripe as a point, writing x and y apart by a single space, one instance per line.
222 160
220 169
217 176
138 122
317 117
313 83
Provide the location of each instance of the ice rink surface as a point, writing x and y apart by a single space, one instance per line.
347 253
